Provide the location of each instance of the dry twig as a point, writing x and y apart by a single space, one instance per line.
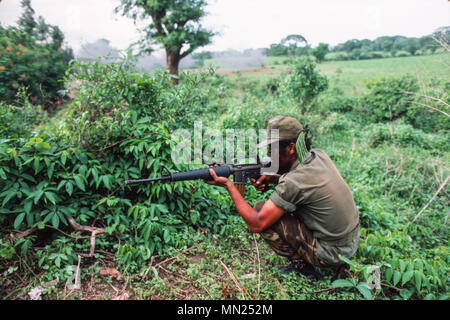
236 282
431 200
259 265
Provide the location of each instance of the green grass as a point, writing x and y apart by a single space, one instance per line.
351 75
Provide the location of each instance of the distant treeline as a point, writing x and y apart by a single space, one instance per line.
381 47
385 46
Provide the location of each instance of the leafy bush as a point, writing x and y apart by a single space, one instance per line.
336 56
430 108
404 135
335 100
18 121
27 62
304 83
388 98
400 54
116 129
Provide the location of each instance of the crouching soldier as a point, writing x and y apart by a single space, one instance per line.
311 217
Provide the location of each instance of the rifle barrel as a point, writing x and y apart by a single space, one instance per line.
127 182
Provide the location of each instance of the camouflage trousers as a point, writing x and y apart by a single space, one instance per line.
290 238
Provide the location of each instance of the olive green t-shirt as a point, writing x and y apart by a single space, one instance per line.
317 194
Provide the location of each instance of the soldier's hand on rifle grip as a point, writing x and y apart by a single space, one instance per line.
262 184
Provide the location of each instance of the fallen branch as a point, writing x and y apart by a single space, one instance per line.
236 281
259 265
431 200
170 259
93 230
324 290
391 287
19 235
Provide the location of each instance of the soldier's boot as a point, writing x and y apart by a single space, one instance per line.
340 272
300 267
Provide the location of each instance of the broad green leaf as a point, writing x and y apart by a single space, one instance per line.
9 195
50 170
389 273
55 220
406 294
18 220
106 182
402 265
2 174
346 260
419 265
61 184
147 231
418 279
163 208
406 277
27 206
341 283
69 188
397 277
30 219
50 196
28 177
58 261
47 161
36 165
166 235
63 157
429 296
38 196
79 182
364 290
82 170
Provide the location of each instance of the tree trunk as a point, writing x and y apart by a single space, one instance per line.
173 60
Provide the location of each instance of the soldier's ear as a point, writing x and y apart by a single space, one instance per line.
291 148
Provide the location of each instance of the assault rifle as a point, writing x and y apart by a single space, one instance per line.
241 173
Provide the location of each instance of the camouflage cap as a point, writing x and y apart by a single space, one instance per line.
288 128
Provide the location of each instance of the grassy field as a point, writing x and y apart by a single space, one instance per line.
350 76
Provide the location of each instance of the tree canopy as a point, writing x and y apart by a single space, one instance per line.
175 26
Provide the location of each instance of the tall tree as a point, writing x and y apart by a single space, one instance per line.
293 41
175 26
320 51
26 21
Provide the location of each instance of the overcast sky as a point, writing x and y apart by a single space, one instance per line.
246 24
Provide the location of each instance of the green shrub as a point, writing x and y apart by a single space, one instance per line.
18 121
400 54
404 135
117 128
430 108
335 100
336 56
388 98
304 83
26 62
